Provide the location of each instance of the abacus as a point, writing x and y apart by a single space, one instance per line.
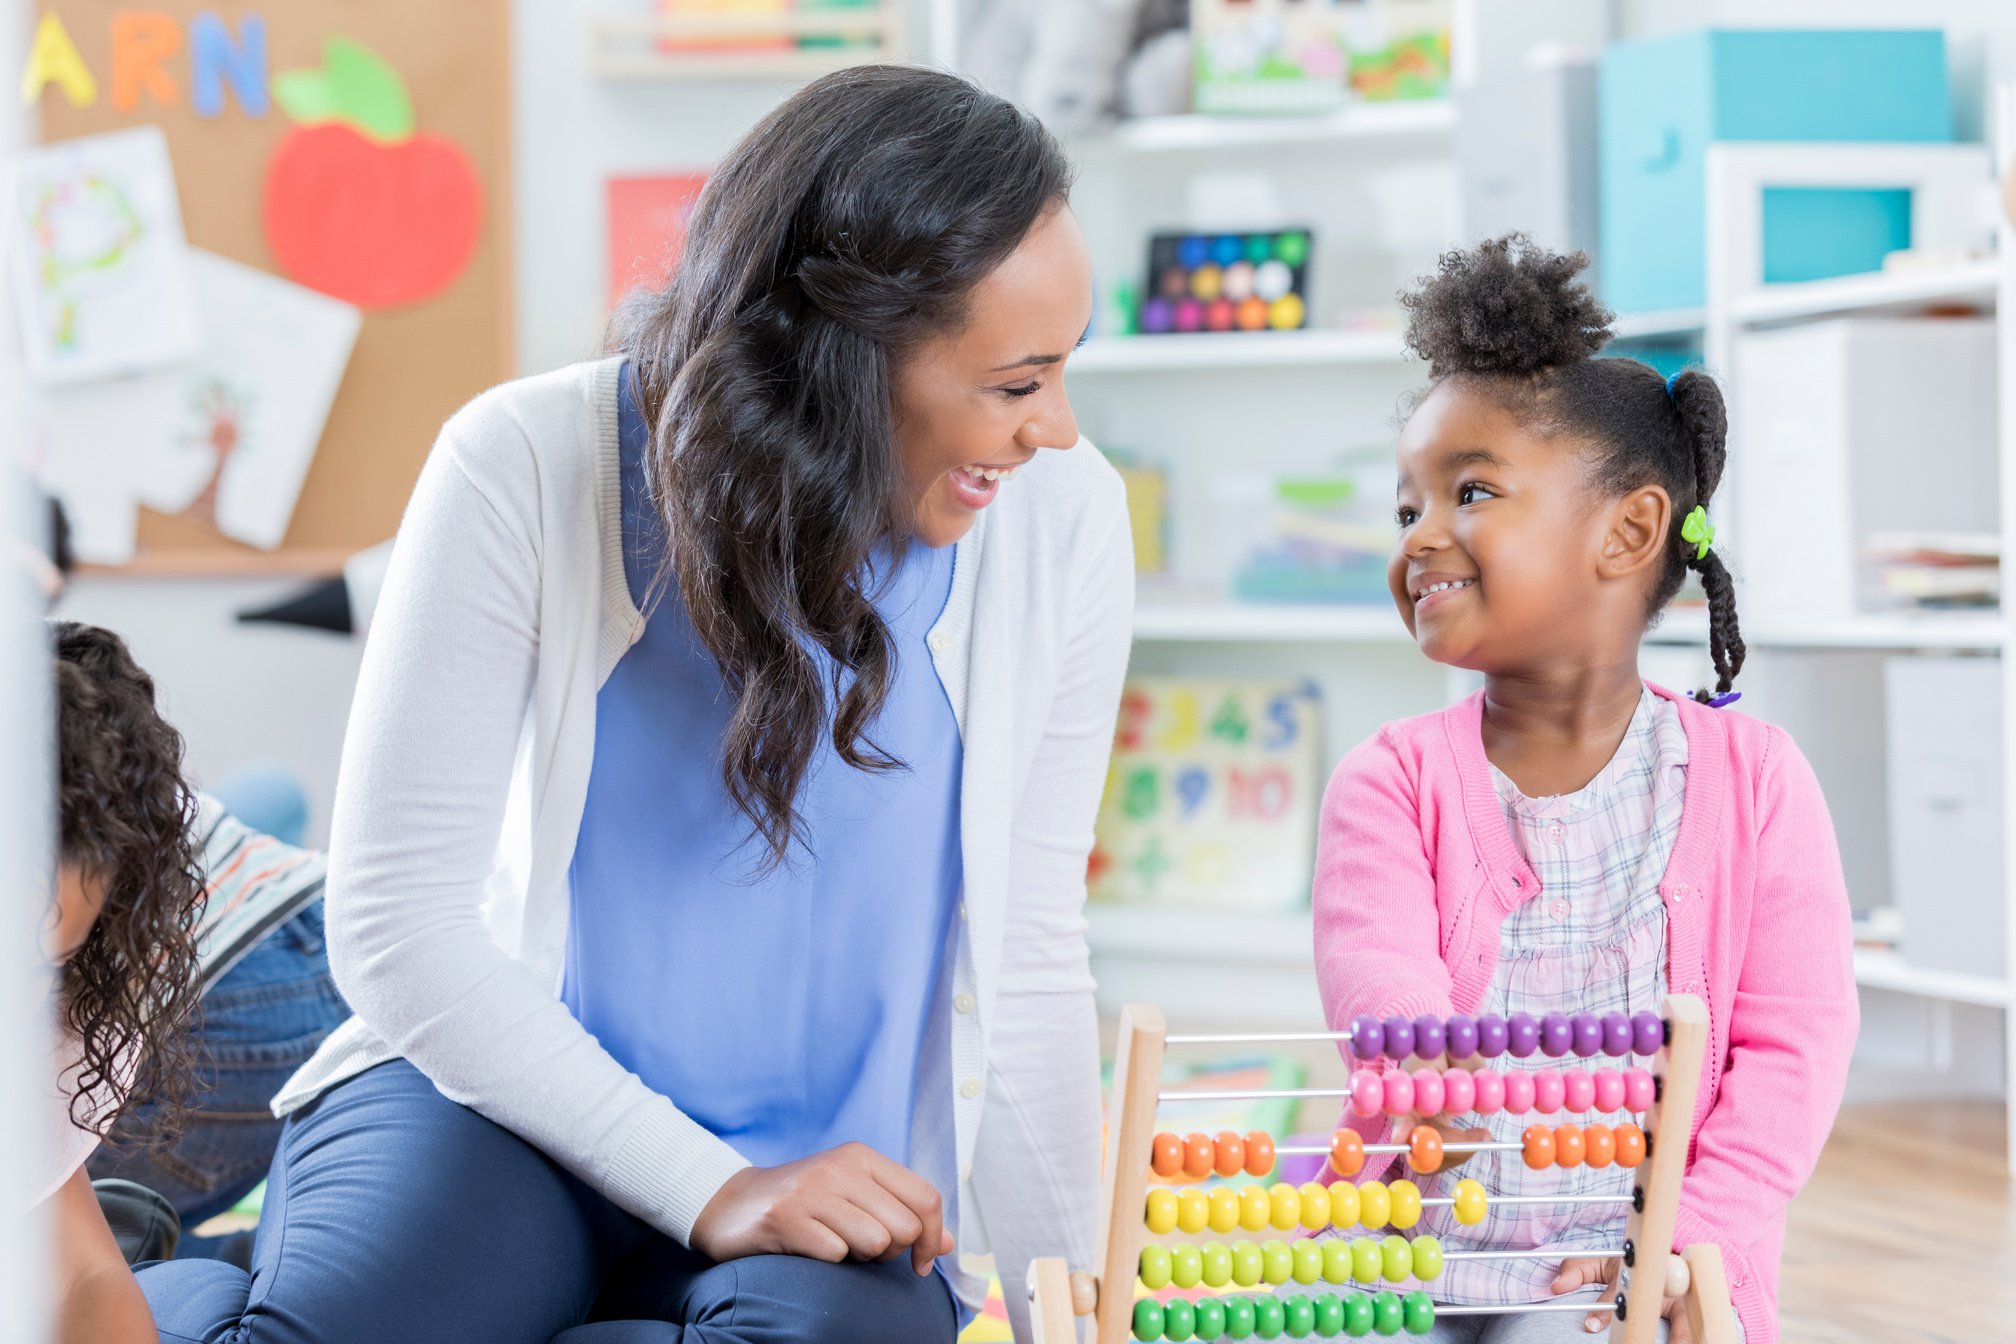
1451 1074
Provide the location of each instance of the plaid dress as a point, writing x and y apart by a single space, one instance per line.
1593 940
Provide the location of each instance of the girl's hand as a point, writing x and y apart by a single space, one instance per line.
1580 1272
847 1202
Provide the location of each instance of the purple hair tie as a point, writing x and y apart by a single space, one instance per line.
1726 698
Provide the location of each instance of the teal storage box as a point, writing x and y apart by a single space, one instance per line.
1662 101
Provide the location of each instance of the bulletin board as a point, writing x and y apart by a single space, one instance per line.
415 359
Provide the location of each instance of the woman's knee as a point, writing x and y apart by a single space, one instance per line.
395 1215
195 1301
787 1299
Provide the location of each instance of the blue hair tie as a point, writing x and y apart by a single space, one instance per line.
1670 379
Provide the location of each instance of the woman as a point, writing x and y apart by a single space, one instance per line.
800 634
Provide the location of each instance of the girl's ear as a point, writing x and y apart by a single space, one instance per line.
1636 538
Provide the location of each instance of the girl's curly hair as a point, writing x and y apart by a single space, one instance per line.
126 820
1518 322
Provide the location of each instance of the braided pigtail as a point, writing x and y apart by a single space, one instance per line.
1699 402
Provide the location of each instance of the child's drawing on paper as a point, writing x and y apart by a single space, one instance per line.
220 414
99 262
82 232
227 436
250 409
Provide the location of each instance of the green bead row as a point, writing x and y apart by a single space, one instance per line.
1364 1260
1326 1316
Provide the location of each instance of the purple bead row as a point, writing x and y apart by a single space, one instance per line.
1555 1035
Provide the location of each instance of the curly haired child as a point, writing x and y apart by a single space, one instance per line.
120 934
1572 838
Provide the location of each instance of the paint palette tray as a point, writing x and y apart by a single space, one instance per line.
1226 282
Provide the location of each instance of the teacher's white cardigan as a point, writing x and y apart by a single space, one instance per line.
472 735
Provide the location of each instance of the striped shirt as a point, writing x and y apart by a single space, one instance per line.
252 884
1594 940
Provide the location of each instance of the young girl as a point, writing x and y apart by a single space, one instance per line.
121 934
1572 839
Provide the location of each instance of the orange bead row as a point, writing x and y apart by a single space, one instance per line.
1200 1155
1583 1145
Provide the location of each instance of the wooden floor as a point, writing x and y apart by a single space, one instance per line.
1907 1232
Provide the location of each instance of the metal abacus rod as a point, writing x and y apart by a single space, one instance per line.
1262 1038
1524 1307
1546 1253
1400 1149
1393 1091
1432 1201
1256 1094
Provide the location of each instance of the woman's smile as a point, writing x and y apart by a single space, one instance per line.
976 486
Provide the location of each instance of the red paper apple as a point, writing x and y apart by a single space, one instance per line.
358 204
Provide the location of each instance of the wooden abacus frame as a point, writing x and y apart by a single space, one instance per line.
1058 1296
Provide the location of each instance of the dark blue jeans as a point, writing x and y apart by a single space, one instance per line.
395 1216
257 1025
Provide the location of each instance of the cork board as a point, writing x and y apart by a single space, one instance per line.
436 327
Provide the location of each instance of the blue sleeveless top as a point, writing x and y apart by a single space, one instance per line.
786 1011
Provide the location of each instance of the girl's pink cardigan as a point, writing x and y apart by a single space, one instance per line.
1415 869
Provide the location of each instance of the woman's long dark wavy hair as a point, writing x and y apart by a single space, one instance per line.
1517 321
845 230
125 819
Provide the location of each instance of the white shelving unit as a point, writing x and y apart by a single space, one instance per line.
1972 284
1240 350
630 47
1949 184
1380 122
1878 969
1244 622
1228 622
1227 968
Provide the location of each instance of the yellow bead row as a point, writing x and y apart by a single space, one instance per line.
1313 1207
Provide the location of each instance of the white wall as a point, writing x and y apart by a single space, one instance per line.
572 132
239 694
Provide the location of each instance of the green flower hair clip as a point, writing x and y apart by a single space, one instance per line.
1697 530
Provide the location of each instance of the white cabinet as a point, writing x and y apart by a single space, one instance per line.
1943 718
1848 428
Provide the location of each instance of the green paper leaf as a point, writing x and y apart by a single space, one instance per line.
369 92
355 86
305 96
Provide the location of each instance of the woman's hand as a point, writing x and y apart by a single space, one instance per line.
848 1202
1580 1272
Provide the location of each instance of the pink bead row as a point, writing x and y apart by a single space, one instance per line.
1487 1091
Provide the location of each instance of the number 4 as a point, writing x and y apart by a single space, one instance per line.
1229 722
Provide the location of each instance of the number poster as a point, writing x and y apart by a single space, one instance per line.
1212 795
